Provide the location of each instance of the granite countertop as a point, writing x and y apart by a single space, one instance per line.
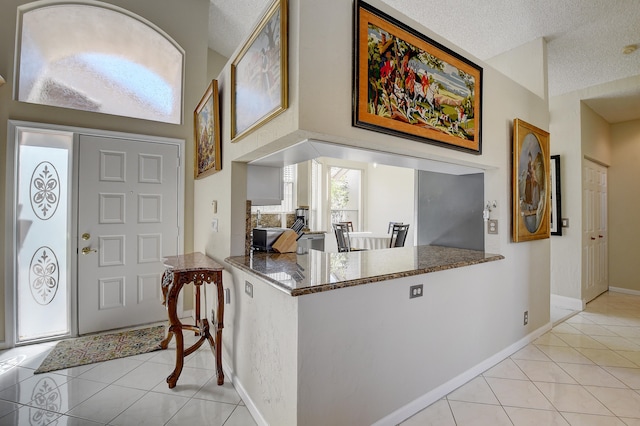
317 271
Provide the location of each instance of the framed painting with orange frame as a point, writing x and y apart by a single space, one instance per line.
408 85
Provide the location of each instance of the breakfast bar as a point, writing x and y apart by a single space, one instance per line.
337 338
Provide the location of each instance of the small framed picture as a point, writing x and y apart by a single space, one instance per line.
206 126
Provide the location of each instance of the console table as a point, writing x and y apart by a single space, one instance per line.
194 268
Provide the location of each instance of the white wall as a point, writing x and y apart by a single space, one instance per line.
526 65
596 136
369 353
624 204
261 348
391 198
566 251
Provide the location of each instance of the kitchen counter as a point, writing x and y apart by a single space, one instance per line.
318 271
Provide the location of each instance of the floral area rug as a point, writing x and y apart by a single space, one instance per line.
102 347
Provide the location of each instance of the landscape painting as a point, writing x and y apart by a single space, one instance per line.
410 86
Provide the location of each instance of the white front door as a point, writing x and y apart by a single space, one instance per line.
128 221
594 237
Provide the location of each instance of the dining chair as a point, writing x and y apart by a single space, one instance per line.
390 227
342 237
398 235
349 225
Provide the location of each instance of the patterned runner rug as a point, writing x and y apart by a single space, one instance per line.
103 347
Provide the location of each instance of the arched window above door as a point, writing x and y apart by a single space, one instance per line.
97 57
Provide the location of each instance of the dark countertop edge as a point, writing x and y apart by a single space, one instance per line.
361 281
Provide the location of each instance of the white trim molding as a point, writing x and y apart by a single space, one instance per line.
625 290
568 302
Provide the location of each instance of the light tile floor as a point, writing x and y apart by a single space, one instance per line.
585 371
125 391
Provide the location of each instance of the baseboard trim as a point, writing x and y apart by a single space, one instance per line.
568 302
625 291
248 402
438 393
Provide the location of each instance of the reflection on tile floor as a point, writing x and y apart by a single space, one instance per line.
126 391
585 371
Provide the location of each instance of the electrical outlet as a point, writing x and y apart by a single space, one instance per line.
248 288
415 291
526 317
492 226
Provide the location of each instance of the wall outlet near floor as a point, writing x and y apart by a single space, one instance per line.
248 288
526 317
415 291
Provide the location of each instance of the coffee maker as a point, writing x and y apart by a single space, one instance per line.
302 213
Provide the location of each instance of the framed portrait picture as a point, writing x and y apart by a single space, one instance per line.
556 197
531 182
408 85
259 79
206 126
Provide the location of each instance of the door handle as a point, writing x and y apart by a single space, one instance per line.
87 250
593 238
600 236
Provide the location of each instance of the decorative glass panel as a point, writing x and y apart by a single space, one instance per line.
43 221
99 58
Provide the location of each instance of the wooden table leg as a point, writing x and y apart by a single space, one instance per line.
219 325
175 328
173 377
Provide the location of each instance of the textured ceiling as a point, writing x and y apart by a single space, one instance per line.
585 38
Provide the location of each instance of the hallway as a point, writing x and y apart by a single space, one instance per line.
585 371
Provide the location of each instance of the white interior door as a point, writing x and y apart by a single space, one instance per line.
594 246
128 221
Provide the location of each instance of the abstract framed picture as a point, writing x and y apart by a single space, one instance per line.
259 77
206 125
531 183
556 197
408 85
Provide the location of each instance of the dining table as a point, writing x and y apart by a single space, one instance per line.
369 240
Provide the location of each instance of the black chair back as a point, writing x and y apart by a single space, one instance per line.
398 235
342 236
390 227
349 225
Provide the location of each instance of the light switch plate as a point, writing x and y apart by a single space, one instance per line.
214 225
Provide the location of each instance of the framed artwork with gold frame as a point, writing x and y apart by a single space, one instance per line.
206 125
259 78
531 182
